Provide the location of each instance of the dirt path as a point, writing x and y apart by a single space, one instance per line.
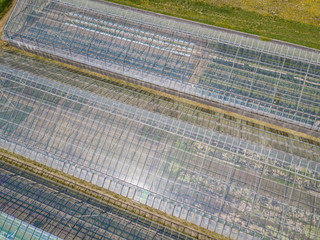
6 16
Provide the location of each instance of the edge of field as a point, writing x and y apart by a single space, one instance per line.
269 28
4 15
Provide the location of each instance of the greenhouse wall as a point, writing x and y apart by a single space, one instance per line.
213 171
281 81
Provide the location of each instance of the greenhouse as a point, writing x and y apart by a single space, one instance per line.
33 208
221 173
269 78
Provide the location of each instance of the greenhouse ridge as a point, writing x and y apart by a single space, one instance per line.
241 178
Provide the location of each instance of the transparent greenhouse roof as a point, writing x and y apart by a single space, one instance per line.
276 80
33 208
225 175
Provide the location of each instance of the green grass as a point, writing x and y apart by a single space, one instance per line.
270 27
4 6
265 39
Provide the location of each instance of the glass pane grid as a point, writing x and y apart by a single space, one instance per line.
217 171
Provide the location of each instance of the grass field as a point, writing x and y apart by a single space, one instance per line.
4 6
304 11
292 21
